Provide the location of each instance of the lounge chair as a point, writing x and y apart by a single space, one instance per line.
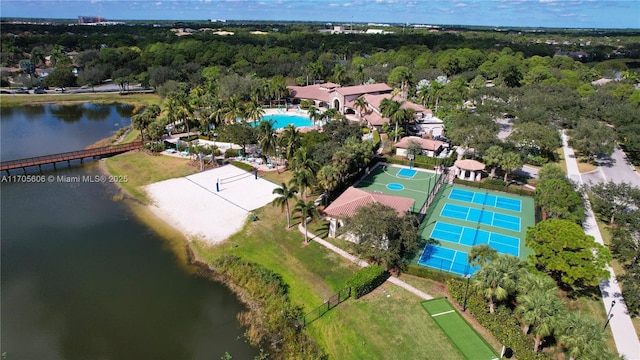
170 151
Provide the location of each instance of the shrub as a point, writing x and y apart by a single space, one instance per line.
365 130
229 153
424 272
376 138
154 146
366 280
243 166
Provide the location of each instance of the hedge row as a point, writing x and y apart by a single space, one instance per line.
243 166
425 272
502 323
494 185
366 280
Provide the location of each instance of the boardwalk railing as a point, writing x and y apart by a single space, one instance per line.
68 156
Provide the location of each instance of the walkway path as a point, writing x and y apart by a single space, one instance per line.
362 263
622 328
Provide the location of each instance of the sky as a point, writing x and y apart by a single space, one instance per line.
504 13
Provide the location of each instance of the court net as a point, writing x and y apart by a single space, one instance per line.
234 178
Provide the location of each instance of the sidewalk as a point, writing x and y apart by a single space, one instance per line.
624 333
362 263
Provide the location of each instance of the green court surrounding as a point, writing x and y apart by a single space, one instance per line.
461 217
394 180
470 344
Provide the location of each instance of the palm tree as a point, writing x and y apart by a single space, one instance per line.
510 161
234 110
308 212
583 337
402 116
481 254
328 178
290 140
254 111
541 313
285 194
339 73
266 135
536 283
492 157
388 108
361 105
497 279
332 114
314 114
302 160
303 178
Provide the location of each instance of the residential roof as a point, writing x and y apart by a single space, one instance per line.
352 199
469 164
425 144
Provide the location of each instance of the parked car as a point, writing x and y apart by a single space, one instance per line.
39 91
61 89
21 91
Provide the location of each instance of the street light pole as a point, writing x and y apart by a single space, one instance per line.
613 303
466 292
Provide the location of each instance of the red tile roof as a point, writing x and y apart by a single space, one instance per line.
425 144
315 92
363 89
350 200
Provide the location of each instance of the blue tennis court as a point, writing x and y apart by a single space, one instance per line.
486 217
469 236
446 260
495 201
407 173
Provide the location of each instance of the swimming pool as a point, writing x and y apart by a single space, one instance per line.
281 121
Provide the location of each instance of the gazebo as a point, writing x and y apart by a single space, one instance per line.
470 166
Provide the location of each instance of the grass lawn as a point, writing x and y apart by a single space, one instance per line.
143 169
388 323
98 98
561 161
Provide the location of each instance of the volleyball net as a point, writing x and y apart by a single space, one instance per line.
234 178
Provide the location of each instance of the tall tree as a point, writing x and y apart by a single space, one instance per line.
328 178
492 157
382 235
307 211
267 139
583 337
562 250
497 279
540 312
558 198
290 141
361 105
254 111
481 255
285 193
610 199
510 161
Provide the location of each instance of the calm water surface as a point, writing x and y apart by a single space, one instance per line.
81 278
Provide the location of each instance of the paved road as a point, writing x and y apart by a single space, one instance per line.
624 334
616 168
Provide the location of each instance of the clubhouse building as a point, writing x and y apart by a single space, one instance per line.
331 95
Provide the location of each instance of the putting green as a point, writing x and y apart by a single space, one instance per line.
470 344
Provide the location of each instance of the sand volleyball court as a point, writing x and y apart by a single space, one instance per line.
193 205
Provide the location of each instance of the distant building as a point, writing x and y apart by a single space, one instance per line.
89 19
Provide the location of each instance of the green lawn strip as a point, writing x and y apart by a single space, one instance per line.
378 326
143 169
312 272
133 135
461 334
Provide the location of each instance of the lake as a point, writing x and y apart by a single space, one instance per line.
81 277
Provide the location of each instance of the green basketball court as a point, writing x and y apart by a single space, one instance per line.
401 181
470 344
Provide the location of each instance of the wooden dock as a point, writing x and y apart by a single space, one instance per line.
68 156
